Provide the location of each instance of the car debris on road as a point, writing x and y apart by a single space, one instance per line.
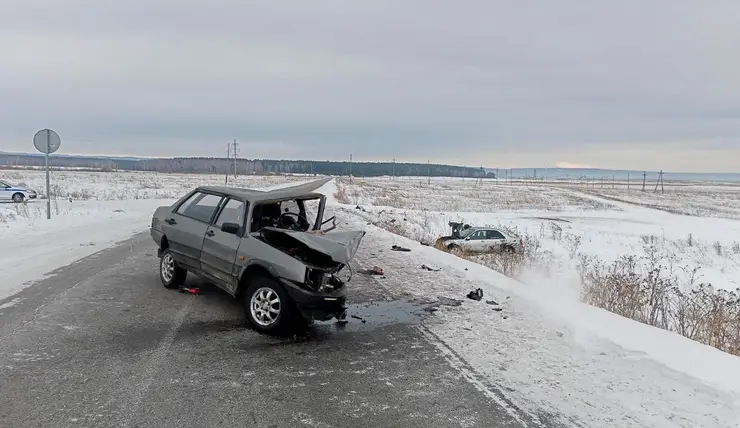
431 269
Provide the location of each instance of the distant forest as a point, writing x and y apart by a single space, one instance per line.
205 165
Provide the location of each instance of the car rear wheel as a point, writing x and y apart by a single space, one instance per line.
171 275
268 307
18 198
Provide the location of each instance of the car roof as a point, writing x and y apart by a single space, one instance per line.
486 228
300 191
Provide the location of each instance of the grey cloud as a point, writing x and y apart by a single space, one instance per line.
386 78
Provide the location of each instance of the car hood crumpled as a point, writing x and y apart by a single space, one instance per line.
339 246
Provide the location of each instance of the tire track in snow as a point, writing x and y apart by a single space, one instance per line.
137 390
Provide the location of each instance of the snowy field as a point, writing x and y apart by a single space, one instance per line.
546 349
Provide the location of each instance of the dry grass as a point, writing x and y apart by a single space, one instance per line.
653 294
341 194
455 195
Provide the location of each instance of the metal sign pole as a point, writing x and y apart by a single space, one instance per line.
48 195
47 142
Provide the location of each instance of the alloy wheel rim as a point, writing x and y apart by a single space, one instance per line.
265 306
168 267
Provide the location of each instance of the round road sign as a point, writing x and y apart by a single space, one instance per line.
47 141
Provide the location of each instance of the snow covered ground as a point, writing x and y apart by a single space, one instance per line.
106 208
546 350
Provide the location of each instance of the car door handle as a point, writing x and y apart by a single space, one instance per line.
210 232
170 221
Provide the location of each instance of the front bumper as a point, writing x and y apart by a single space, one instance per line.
314 305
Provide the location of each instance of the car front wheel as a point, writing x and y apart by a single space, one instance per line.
171 275
18 198
268 307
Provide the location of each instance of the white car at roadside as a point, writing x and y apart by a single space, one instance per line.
15 193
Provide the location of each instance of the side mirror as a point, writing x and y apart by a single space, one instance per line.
467 238
232 228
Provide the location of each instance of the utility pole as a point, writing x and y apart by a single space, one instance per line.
429 174
659 182
350 168
394 169
228 157
644 178
235 154
628 181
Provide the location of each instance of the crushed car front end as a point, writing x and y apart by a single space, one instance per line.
310 267
320 296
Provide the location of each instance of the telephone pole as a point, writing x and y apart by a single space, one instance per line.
644 178
429 174
659 182
393 177
226 170
350 168
235 154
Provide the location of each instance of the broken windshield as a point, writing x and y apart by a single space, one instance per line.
466 232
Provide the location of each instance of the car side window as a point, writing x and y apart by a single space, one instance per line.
495 234
481 234
4 184
200 206
232 212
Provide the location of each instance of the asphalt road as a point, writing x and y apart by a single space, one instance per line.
101 343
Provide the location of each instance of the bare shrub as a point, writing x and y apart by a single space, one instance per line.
735 248
690 240
341 194
356 196
717 248
509 264
556 231
56 191
645 290
21 210
83 194
649 239
571 243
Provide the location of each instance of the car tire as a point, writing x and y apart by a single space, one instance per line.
262 298
171 275
455 250
18 198
509 249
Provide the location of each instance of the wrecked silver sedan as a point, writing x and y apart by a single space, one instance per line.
260 247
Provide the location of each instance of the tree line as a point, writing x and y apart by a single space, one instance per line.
212 165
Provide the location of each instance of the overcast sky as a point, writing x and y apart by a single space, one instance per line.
644 84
